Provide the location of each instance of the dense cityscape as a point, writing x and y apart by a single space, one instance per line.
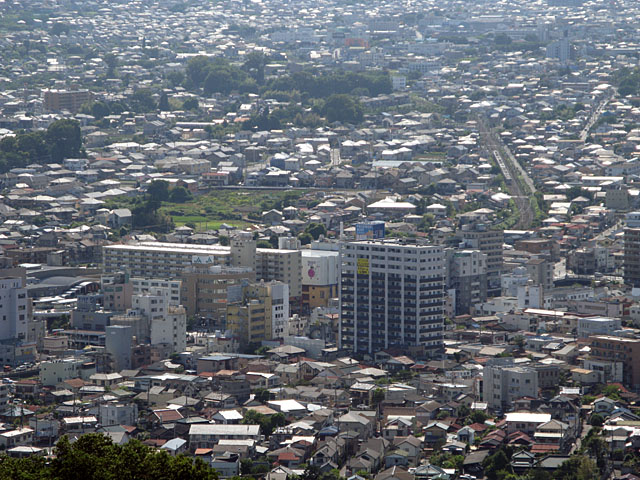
331 240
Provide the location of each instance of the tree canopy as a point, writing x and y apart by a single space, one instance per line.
61 140
96 457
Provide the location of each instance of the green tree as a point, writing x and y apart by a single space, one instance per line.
377 397
158 191
64 139
190 103
163 103
180 194
315 230
343 108
142 101
596 420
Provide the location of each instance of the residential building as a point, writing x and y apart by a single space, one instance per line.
392 296
204 288
466 275
70 100
503 382
478 236
631 259
618 349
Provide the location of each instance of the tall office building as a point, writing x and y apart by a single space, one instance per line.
392 297
631 259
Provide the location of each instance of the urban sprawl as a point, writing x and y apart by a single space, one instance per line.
328 240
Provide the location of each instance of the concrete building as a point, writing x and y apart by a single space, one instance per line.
173 288
598 326
169 260
631 260
204 288
117 291
320 277
618 349
14 309
56 371
392 296
478 237
117 414
258 311
118 343
171 329
503 382
70 100
466 275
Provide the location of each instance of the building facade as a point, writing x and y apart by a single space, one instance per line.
392 296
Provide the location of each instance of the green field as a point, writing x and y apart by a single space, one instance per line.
239 209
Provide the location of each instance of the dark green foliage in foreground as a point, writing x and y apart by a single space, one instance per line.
95 457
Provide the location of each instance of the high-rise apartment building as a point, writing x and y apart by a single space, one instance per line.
631 259
392 297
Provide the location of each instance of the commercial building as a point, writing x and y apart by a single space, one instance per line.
503 383
320 277
70 100
392 295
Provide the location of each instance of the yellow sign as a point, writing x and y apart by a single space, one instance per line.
363 266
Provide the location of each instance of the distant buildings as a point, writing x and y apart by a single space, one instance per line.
70 100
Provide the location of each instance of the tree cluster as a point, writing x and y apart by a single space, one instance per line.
268 423
312 85
96 457
217 75
61 140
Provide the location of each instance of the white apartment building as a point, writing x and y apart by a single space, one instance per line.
14 309
392 295
503 383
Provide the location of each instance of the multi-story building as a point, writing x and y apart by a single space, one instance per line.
619 349
14 309
598 326
117 291
70 100
466 275
503 383
320 277
478 237
169 260
258 311
204 288
173 288
392 297
631 260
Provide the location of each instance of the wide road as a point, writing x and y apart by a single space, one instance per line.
520 186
